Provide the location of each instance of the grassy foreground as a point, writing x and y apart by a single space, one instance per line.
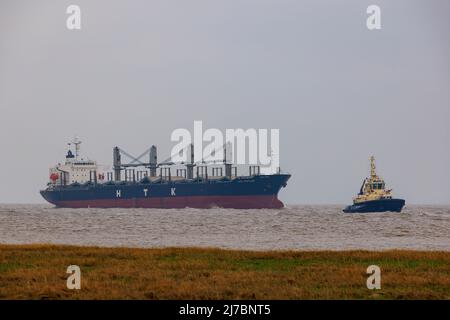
39 272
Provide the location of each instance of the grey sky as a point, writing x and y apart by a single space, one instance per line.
140 69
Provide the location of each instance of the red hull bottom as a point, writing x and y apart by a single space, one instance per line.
235 202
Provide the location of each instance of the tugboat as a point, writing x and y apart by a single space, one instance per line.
373 197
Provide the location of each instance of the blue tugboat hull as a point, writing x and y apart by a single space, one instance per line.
382 205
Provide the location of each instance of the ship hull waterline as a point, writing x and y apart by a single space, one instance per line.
201 202
382 205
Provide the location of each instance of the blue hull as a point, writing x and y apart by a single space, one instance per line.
243 192
383 205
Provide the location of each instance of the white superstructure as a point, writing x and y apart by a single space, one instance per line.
75 169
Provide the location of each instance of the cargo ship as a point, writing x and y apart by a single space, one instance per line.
373 196
79 183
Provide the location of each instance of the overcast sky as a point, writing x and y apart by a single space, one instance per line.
137 70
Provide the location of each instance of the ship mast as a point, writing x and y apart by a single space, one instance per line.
373 174
77 143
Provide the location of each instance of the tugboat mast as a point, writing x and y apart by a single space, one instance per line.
373 173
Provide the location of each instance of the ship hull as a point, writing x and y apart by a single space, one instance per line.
203 202
382 205
250 193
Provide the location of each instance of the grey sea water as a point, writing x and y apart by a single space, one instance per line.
294 227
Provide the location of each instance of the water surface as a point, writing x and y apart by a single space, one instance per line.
294 227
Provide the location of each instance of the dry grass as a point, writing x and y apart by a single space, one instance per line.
39 272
